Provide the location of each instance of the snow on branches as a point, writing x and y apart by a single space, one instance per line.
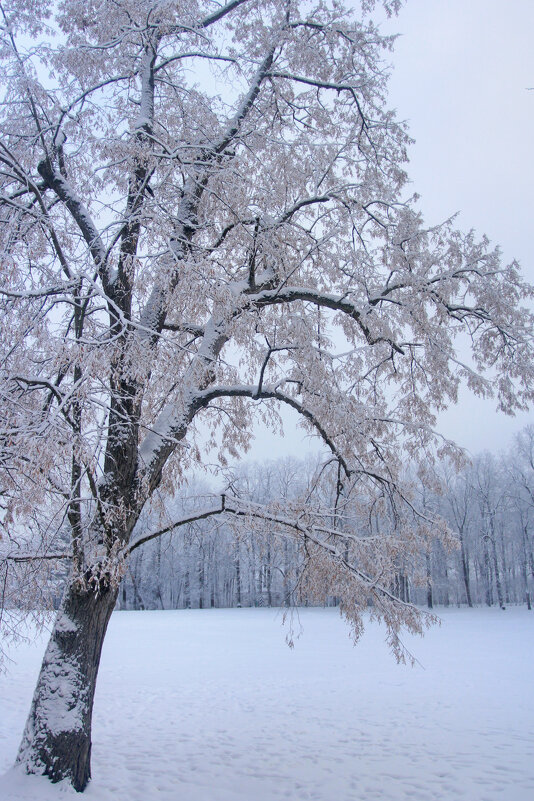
204 211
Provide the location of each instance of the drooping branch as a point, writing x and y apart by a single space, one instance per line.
290 294
311 532
274 393
231 507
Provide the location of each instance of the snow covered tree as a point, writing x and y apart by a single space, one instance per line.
204 218
520 468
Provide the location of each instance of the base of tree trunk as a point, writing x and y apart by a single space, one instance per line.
57 738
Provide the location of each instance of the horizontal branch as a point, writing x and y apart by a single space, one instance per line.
338 87
35 557
183 521
230 507
185 328
182 56
46 291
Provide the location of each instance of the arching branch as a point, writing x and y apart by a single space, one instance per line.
272 393
290 294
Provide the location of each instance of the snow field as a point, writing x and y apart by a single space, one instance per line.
212 705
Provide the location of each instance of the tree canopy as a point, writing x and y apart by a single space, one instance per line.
205 217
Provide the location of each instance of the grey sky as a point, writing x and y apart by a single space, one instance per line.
461 77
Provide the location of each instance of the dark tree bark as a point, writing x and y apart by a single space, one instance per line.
487 573
57 737
200 574
237 566
429 595
268 576
524 565
465 569
498 582
135 575
287 589
187 573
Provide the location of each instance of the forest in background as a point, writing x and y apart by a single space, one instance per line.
488 505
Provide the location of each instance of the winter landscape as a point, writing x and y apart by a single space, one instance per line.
212 704
265 411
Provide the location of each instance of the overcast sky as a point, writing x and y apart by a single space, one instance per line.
462 69
461 78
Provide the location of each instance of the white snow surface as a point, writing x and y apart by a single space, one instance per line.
212 705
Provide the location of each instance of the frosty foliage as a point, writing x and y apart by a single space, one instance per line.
204 217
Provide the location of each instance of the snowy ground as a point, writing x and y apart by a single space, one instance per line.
213 706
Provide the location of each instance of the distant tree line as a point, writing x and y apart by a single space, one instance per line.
488 505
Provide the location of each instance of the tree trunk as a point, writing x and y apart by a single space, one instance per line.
287 589
212 572
525 570
498 582
135 575
187 574
159 594
200 574
446 597
505 569
429 595
269 576
237 567
487 574
465 570
57 738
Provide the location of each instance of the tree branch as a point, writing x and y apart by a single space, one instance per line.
203 515
289 294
